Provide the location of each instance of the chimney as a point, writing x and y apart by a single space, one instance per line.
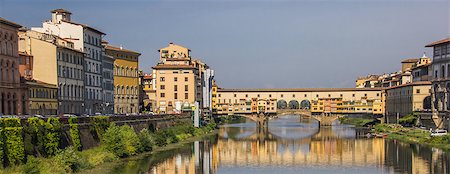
59 15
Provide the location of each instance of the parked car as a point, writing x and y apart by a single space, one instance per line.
438 132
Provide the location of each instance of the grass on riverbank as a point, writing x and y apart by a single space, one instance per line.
117 142
357 122
412 135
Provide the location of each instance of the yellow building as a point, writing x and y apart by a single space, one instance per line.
43 98
318 100
126 79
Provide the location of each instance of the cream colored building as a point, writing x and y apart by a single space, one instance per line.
177 80
126 79
57 62
408 98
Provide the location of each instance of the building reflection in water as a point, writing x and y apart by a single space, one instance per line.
299 147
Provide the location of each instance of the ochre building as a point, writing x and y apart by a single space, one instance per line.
126 79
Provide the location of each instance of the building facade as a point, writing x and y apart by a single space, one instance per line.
59 63
317 100
126 79
108 84
87 40
148 93
178 80
440 81
408 98
43 98
11 96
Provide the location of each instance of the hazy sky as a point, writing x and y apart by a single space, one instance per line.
259 44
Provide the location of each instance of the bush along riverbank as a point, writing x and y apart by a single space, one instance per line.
412 135
116 142
357 122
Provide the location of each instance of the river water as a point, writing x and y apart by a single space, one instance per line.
291 145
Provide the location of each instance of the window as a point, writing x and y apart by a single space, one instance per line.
246 95
175 79
234 95
258 95
329 95
186 87
281 95
365 95
186 79
175 87
306 95
317 95
162 79
353 95
341 95
417 91
442 71
270 95
378 94
163 87
186 95
163 95
175 96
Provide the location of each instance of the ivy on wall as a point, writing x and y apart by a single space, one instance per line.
99 125
34 138
15 152
52 136
75 133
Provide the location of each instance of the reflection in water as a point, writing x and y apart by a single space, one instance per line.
291 145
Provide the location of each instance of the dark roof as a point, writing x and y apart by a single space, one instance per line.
110 47
84 26
422 66
438 42
299 89
10 23
412 60
419 83
60 10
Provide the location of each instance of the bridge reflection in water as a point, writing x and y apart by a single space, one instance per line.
292 147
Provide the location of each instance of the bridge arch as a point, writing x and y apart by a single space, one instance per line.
305 104
293 104
281 104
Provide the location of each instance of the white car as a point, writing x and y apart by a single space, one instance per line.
438 132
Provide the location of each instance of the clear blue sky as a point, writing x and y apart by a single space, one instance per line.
258 44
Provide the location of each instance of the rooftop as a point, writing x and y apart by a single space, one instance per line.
418 83
10 23
298 89
60 10
438 42
84 26
110 47
411 60
173 67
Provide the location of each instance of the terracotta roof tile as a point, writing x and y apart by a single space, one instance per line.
438 42
412 60
110 47
10 23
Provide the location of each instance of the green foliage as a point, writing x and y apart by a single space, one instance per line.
98 155
75 133
32 166
146 141
34 136
15 152
70 159
121 140
52 136
408 120
99 124
10 122
358 122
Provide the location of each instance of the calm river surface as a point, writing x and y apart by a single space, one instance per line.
291 145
